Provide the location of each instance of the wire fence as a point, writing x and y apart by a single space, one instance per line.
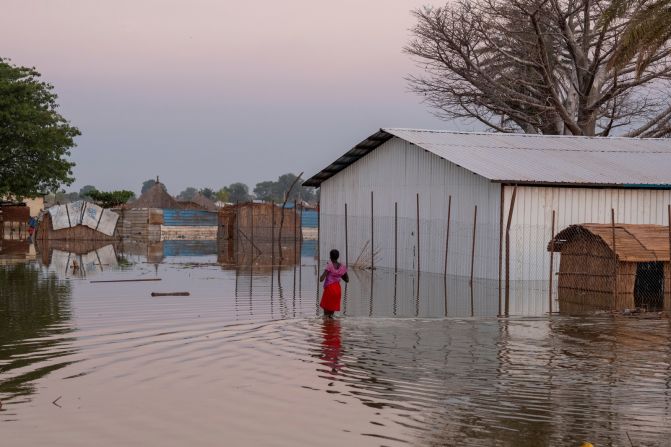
609 266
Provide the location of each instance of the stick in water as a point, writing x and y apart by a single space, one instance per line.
170 294
128 280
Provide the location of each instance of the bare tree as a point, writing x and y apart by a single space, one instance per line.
538 66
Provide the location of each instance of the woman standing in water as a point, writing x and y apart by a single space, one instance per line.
334 271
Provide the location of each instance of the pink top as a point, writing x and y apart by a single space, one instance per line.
333 274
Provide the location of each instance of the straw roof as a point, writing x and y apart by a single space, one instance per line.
633 242
204 202
155 197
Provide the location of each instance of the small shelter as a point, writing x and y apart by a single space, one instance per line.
258 221
78 221
156 197
614 267
198 202
156 216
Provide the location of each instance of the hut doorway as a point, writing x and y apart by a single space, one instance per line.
649 286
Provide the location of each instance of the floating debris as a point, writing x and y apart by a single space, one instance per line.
170 294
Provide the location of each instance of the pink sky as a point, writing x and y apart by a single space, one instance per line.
206 93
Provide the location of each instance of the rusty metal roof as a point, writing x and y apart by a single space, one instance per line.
633 242
533 159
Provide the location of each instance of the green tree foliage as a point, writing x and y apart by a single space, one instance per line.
276 191
110 199
238 193
85 190
266 191
148 184
188 194
647 30
209 193
223 195
35 140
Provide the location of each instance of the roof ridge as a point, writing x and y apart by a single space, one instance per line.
518 134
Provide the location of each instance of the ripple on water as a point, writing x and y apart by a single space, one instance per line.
253 365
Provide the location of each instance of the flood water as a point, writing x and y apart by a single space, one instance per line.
246 360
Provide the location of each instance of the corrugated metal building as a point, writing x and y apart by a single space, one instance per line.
400 171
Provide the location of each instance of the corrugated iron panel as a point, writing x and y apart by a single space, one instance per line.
309 219
527 158
396 173
199 218
532 218
550 159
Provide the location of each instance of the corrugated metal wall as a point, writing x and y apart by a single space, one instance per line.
532 218
396 172
198 218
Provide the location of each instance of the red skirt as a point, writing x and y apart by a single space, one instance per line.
331 297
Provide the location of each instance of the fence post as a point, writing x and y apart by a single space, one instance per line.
612 223
372 237
346 239
447 232
272 242
418 241
552 255
319 243
668 271
475 223
295 231
395 243
251 258
510 219
501 200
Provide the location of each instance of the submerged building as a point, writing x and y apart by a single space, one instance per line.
407 198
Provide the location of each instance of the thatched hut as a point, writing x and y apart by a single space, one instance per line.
156 216
155 197
199 202
625 266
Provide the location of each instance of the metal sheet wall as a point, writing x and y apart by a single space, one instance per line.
173 217
532 218
396 172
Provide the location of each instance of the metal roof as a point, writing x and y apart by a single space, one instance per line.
533 159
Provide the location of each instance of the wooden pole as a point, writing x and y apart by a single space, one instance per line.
295 233
395 240
346 238
251 258
319 224
552 258
372 235
669 262
612 224
510 219
237 235
272 240
447 232
475 223
501 246
418 241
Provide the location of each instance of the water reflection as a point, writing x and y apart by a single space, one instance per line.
77 258
500 382
35 313
247 348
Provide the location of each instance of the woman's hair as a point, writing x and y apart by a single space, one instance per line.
334 255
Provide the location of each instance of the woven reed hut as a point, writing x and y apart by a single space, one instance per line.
627 267
260 221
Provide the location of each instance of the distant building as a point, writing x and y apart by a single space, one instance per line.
424 176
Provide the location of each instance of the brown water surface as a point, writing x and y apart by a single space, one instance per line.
245 360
